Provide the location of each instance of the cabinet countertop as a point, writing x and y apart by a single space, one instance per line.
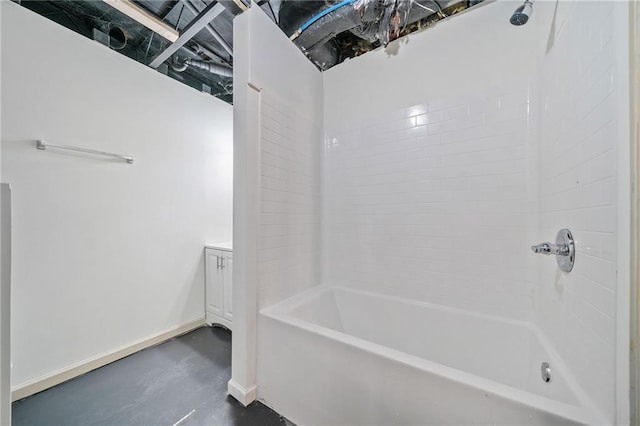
228 246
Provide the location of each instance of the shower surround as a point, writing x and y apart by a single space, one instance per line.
444 160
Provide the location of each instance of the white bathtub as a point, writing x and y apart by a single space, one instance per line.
336 356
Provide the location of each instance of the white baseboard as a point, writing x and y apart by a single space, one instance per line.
215 319
55 378
242 395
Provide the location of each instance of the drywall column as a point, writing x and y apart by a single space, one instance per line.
246 184
5 304
621 39
635 290
277 92
5 286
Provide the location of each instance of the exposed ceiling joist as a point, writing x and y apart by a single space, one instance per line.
215 34
145 18
208 14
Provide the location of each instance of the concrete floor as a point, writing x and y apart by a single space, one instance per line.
180 381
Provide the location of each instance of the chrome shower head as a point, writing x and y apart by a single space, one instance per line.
522 14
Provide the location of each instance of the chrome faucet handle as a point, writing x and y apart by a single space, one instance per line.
549 248
542 248
564 249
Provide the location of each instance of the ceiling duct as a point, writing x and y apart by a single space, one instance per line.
217 69
117 38
293 14
145 18
314 25
220 70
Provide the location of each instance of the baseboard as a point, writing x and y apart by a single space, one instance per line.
215 319
55 378
242 395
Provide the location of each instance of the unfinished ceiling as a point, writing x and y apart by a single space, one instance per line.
192 40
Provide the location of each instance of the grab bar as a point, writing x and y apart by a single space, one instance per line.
43 146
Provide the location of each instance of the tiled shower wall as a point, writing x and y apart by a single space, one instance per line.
431 202
578 141
290 158
440 201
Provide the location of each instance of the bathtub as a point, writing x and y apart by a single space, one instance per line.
338 356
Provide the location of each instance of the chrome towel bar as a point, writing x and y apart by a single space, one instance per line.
43 145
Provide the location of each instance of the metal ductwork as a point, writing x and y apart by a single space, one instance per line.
217 69
220 70
292 14
370 22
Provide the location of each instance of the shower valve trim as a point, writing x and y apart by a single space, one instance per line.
564 249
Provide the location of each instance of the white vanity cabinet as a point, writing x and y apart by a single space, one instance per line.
218 285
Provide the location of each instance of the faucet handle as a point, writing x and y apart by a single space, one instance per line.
564 249
549 248
542 248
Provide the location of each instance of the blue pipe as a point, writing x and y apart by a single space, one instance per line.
320 15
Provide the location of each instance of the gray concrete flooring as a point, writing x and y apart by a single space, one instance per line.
180 381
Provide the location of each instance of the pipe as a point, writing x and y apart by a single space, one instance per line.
371 20
522 14
344 19
210 67
179 67
117 38
440 12
215 34
207 15
347 19
318 16
220 70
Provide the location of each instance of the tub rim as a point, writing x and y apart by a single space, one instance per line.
584 412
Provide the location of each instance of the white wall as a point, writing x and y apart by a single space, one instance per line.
582 139
105 253
278 144
635 317
5 305
5 289
469 52
291 150
427 172
476 140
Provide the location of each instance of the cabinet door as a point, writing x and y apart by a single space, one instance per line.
213 282
227 278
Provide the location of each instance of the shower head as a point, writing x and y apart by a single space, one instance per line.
522 14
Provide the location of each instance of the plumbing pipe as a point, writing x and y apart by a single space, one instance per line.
220 70
212 68
222 42
318 16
